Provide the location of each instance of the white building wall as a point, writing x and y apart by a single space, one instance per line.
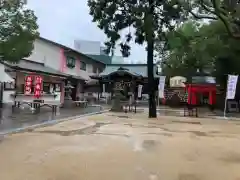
47 53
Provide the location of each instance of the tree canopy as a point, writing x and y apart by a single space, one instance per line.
114 16
227 11
18 31
144 20
208 47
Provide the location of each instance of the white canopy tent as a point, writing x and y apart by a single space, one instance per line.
5 77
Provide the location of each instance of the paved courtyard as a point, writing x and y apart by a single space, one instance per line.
21 118
124 147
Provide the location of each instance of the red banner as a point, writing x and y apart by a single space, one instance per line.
38 86
28 85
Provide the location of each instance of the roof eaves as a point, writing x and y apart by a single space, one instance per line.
16 67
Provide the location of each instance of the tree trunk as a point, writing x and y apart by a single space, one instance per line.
150 47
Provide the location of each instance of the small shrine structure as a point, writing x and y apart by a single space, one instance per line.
124 86
201 84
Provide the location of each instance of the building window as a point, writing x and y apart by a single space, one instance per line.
71 62
83 66
46 88
9 86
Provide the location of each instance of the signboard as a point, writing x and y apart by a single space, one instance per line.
38 86
120 85
161 86
28 85
231 86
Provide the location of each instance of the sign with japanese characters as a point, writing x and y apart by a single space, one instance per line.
231 86
161 86
140 87
120 85
38 86
28 84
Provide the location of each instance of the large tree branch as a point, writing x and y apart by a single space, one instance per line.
225 20
197 16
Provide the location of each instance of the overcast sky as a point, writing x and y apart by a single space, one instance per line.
63 21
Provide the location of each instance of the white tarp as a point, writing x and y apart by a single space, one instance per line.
5 77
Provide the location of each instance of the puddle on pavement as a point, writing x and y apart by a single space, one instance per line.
149 144
198 133
145 145
112 134
231 157
188 177
163 134
121 116
188 122
89 130
140 125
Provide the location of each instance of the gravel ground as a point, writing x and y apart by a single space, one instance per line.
124 147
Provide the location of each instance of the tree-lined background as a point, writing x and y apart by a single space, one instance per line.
186 35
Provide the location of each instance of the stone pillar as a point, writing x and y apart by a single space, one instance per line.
62 92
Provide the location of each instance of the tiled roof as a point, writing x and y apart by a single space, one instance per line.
140 69
105 59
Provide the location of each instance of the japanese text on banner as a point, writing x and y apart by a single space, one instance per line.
231 86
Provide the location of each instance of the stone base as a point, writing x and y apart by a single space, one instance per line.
68 103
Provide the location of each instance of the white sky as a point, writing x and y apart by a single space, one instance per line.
64 21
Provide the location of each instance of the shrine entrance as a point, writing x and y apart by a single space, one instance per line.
124 88
198 92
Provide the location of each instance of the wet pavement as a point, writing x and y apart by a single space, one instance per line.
124 147
25 117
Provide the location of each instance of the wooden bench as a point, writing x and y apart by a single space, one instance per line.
36 105
190 110
79 103
53 105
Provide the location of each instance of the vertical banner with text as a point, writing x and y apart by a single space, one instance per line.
140 90
161 86
231 86
103 90
231 90
28 85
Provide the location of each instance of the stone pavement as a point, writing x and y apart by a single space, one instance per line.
22 118
119 146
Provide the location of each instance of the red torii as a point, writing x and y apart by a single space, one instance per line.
193 89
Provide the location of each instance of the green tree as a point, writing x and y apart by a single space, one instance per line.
18 30
206 46
147 18
227 11
182 55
